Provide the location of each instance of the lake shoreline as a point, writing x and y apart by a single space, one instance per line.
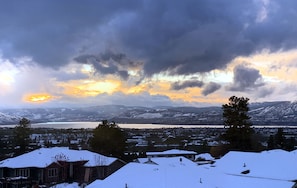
88 124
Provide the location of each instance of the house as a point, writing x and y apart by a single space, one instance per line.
173 153
48 166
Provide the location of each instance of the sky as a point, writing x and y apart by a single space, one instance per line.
61 53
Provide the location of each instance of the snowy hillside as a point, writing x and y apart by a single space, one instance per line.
7 119
268 113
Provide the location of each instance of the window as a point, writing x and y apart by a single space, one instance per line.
22 172
52 172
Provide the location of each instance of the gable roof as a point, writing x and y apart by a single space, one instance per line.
43 157
172 152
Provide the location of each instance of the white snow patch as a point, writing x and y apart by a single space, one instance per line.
149 115
66 185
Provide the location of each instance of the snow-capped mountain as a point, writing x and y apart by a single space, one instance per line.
7 119
273 113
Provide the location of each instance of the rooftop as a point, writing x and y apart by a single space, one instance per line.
43 157
172 152
175 173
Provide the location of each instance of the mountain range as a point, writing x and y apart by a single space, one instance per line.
266 113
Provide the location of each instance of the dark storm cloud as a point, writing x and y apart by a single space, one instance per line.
245 79
181 37
52 32
185 84
277 31
189 36
210 88
110 63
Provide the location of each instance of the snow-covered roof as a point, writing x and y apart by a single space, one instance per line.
172 152
179 174
169 161
273 164
43 157
147 176
204 156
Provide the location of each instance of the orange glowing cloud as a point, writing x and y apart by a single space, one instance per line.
274 66
187 94
85 88
38 97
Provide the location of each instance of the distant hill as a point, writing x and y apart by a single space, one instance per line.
267 113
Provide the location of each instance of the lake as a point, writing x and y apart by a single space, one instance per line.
78 125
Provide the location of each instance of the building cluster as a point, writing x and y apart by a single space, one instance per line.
138 140
196 139
168 157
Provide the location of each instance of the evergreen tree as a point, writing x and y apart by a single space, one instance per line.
108 139
238 124
280 138
22 135
271 142
290 144
281 142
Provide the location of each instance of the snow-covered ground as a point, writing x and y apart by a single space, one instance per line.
149 115
66 185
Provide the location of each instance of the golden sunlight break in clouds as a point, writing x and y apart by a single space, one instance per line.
274 66
85 88
38 97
